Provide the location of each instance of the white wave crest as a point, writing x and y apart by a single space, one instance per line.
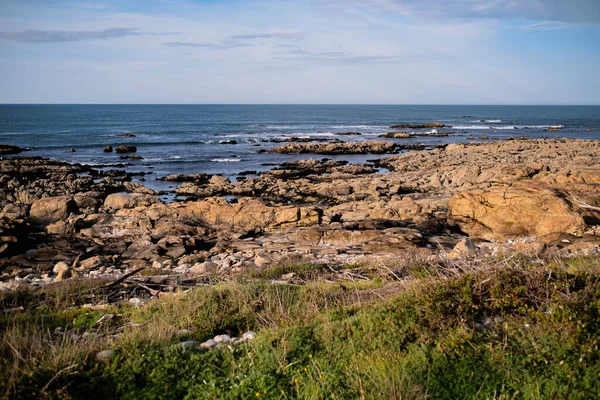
225 160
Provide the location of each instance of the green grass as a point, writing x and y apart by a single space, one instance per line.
507 331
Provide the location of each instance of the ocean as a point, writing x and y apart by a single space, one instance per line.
196 138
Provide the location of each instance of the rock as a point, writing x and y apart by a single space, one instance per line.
125 149
524 209
108 149
206 267
228 142
10 149
128 135
183 332
222 339
209 344
368 147
131 157
117 201
249 336
94 262
189 344
62 271
396 135
52 209
60 228
463 249
137 302
72 150
105 355
262 260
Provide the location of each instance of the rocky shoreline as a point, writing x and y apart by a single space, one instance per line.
65 221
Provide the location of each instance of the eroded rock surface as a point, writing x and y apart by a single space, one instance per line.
527 196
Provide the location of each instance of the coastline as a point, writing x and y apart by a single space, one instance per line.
479 199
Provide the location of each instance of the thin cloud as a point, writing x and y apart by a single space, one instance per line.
275 35
545 26
574 11
38 36
225 45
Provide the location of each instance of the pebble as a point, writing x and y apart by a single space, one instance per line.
209 344
183 332
135 301
249 336
105 354
189 344
222 339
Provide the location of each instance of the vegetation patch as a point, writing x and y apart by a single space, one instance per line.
519 330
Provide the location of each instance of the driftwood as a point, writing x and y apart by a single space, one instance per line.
122 278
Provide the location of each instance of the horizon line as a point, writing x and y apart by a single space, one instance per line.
306 104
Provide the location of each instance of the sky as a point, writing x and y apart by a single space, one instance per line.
300 52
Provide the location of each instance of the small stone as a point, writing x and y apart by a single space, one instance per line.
135 301
189 344
209 344
183 332
222 339
261 260
289 276
108 149
156 265
105 354
249 336
60 266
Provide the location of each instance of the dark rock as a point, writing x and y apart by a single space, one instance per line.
126 149
108 149
10 149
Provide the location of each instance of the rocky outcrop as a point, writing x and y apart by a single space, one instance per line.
397 135
125 149
368 147
521 210
10 149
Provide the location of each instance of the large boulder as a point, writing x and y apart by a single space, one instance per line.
117 201
52 209
524 209
247 215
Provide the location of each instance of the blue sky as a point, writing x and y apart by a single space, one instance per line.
304 51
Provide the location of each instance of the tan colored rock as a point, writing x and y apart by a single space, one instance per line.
117 201
248 214
94 262
60 228
463 249
52 209
526 209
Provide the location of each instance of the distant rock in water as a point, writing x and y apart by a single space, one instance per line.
228 142
10 149
125 149
108 149
420 126
199 178
396 135
368 147
349 133
126 135
72 150
131 157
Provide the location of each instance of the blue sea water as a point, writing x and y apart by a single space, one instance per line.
186 138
